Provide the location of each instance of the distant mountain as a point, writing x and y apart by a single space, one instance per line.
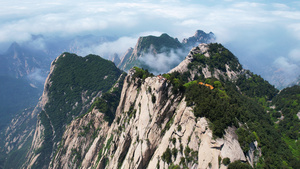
296 82
22 76
199 37
125 57
149 45
54 46
153 52
19 61
25 66
115 58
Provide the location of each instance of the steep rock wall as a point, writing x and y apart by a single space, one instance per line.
38 138
142 132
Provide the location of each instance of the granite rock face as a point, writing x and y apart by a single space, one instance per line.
144 132
153 127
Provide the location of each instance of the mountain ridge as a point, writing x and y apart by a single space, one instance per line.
208 104
68 93
157 115
162 46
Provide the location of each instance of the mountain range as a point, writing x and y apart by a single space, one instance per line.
24 67
166 50
206 111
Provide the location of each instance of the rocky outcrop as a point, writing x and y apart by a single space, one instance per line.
183 66
146 133
254 153
81 141
203 49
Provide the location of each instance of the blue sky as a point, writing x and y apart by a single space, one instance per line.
264 35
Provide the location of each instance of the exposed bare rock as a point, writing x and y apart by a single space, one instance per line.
143 131
183 66
253 154
203 49
79 145
231 147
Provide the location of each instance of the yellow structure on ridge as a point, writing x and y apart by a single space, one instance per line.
207 85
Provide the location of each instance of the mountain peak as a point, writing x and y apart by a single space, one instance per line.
116 59
162 47
199 33
14 47
210 60
158 43
199 37
165 35
151 45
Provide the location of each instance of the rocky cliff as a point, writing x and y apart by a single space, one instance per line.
202 114
71 87
153 128
143 133
198 63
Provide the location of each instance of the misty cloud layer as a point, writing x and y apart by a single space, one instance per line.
163 62
107 49
264 35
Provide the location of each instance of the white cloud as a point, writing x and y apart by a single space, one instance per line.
294 29
163 63
108 48
294 55
37 76
280 6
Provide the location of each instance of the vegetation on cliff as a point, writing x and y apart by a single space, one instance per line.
109 101
74 82
219 58
241 102
255 86
287 104
243 107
